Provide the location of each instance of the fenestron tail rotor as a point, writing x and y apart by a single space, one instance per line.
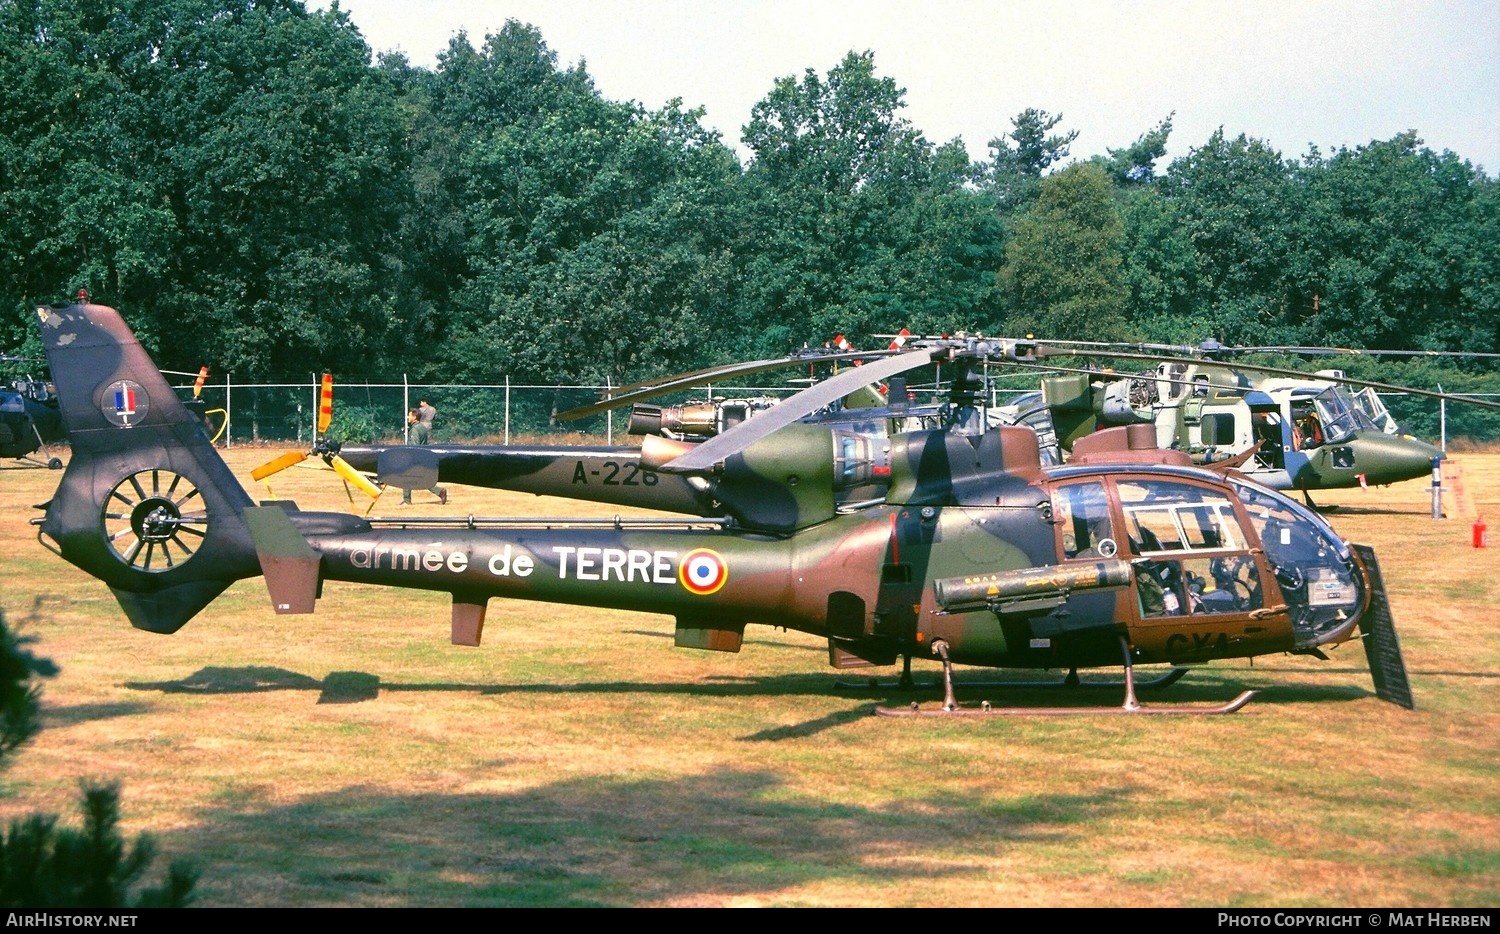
326 449
154 520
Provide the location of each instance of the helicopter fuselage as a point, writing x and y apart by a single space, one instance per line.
1175 564
972 551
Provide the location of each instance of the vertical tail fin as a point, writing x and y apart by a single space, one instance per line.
146 505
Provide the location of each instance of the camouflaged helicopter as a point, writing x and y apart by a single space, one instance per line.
974 553
1287 429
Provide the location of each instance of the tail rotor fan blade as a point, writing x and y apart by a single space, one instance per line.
277 465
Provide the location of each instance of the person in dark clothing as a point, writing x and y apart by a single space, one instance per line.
419 431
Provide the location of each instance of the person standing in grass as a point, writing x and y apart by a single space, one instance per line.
419 427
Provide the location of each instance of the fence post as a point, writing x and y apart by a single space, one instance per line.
405 407
228 412
507 409
609 414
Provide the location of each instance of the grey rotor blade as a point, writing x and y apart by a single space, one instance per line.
797 407
649 389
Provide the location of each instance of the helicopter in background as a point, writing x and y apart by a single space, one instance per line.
974 554
627 475
30 422
1291 430
1285 428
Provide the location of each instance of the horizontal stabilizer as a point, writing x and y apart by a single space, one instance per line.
288 562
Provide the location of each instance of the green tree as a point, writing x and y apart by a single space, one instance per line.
20 671
1062 276
1398 249
855 223
1237 202
593 243
1160 268
223 170
45 867
1019 159
1136 164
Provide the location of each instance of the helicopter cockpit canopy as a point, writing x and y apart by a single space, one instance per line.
1339 415
1314 569
1380 416
1201 550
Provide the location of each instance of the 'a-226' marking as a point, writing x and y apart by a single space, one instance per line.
616 474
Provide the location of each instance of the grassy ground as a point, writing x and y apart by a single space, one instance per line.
353 757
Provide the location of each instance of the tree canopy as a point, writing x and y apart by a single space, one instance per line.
258 193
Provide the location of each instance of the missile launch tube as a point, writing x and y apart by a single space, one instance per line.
978 592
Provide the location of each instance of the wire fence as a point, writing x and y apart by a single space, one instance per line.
505 412
255 413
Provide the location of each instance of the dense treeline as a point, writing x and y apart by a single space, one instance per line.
257 194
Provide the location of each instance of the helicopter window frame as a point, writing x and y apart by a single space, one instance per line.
1173 517
1215 564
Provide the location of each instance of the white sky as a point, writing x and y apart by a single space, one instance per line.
1292 72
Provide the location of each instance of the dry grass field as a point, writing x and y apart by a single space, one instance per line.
355 758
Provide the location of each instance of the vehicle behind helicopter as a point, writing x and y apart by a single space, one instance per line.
30 422
1302 433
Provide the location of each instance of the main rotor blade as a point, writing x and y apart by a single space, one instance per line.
800 406
1361 352
648 389
278 464
359 480
1211 347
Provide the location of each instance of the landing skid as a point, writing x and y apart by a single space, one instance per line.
1070 681
951 708
1314 506
985 709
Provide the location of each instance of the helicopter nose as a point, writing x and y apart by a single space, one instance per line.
1392 458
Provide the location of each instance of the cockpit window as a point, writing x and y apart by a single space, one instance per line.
1200 586
1166 516
1374 409
1339 415
1314 569
1082 513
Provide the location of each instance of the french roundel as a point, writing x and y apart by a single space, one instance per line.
703 571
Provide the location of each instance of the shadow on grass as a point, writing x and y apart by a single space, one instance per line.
1339 510
723 837
1201 686
767 643
74 714
1427 672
